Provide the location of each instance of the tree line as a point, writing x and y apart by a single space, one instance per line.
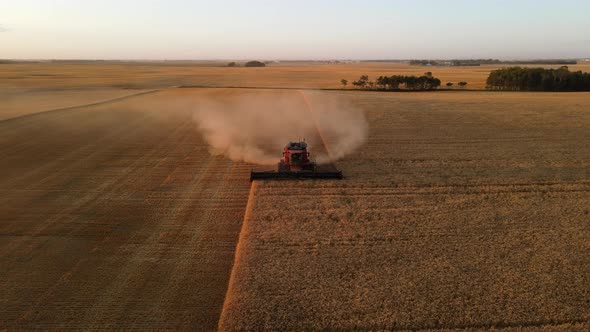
401 82
541 62
455 62
538 79
478 62
248 64
397 82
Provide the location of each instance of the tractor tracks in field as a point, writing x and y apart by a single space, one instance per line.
72 108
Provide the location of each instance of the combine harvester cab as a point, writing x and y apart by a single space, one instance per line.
297 165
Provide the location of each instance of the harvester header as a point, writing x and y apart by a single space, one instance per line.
296 164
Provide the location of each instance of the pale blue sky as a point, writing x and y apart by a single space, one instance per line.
302 29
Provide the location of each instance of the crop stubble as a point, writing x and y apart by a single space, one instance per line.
115 216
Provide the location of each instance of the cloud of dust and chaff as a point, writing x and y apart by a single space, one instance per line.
255 127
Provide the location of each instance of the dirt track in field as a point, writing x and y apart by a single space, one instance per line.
22 102
115 216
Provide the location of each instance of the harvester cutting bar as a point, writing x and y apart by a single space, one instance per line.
293 175
297 165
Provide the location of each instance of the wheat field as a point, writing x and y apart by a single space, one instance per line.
461 210
282 75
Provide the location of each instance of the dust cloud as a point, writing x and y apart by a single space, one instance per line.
255 127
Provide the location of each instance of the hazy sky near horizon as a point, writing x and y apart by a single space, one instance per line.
303 29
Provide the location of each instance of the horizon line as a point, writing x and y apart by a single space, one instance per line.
292 60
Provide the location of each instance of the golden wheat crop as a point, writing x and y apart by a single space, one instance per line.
463 210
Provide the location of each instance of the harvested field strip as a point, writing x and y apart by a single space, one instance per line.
115 216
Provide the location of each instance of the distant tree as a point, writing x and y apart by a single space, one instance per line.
255 64
344 83
450 84
462 84
423 63
382 82
362 81
435 83
428 74
394 81
231 64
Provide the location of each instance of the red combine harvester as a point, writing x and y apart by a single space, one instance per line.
297 165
